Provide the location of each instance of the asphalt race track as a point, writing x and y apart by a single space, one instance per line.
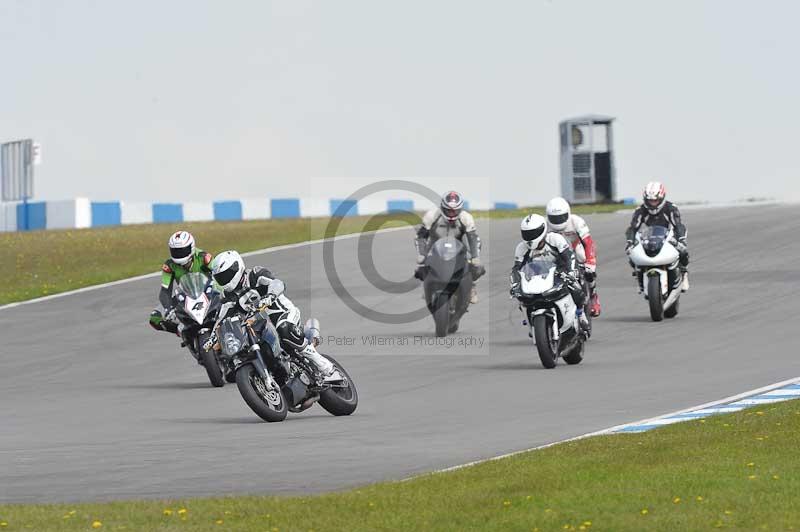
94 405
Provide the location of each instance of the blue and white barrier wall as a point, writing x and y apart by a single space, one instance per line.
81 212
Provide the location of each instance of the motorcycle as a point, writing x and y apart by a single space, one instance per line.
196 306
656 261
447 284
272 382
544 296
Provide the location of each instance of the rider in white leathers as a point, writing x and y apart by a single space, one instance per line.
450 220
575 229
537 241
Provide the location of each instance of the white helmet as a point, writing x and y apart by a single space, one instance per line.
533 229
654 196
451 206
227 268
557 214
181 247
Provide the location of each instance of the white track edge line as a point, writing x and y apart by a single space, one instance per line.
155 274
611 430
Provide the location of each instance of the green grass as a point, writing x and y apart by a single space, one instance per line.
40 263
737 471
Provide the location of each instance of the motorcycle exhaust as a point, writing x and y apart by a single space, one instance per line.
308 403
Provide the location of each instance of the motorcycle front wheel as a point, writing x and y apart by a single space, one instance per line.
545 344
441 315
655 298
269 405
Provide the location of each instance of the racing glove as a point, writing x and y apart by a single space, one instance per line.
679 245
268 300
629 246
209 344
478 270
249 300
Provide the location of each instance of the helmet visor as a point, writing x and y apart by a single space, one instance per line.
532 234
180 253
224 277
653 202
451 213
558 219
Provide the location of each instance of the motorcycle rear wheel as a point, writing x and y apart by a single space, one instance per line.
545 345
340 401
655 298
575 355
672 311
210 362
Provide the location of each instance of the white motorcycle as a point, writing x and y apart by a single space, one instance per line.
544 297
656 261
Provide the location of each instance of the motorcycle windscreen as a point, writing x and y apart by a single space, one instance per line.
538 277
653 238
538 268
193 284
447 259
232 336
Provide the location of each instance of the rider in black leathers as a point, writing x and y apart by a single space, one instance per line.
657 211
246 289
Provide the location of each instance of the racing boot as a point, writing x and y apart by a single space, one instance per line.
583 321
473 295
685 283
324 367
594 305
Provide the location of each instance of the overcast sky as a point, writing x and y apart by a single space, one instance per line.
178 100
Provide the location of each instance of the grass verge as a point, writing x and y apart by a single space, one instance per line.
41 263
737 471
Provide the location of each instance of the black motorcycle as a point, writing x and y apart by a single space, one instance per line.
447 284
196 306
272 382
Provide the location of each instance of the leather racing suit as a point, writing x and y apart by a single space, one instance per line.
259 283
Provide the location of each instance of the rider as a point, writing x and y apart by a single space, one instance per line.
450 219
657 211
537 241
185 258
244 289
574 228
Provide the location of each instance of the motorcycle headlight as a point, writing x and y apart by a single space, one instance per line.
230 344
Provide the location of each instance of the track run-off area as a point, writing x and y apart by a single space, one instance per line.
94 405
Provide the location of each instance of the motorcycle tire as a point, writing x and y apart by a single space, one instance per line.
272 407
547 348
575 355
441 315
209 361
655 298
340 401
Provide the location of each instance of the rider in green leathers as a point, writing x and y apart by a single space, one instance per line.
185 258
